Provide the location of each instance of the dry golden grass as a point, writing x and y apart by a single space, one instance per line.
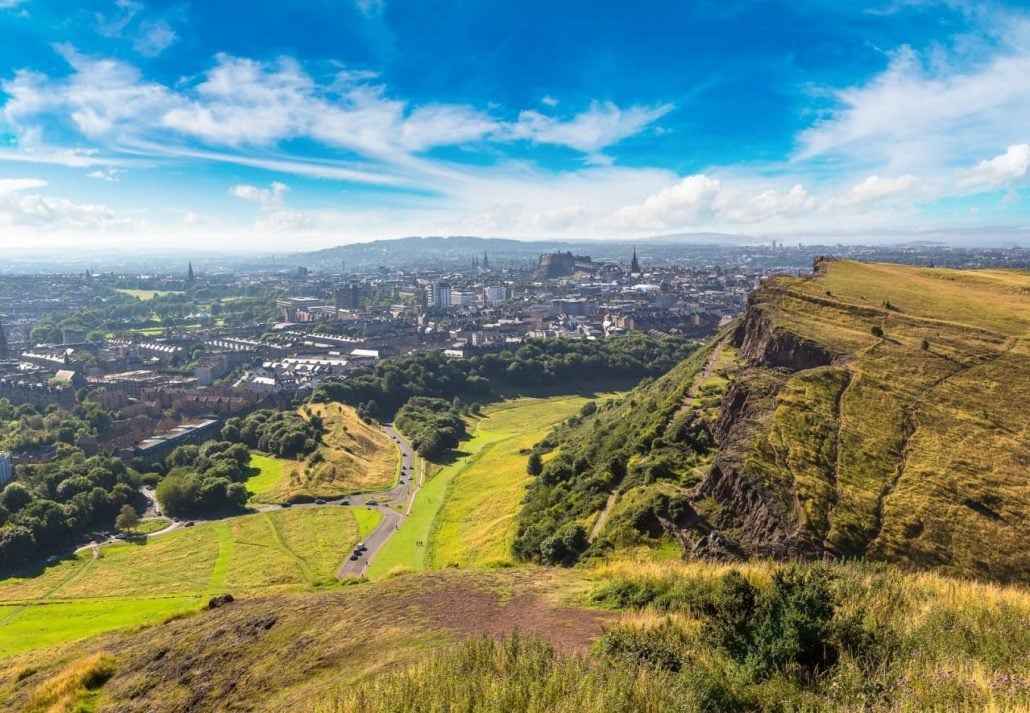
899 452
75 689
355 457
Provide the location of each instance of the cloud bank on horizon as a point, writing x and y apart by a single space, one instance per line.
307 124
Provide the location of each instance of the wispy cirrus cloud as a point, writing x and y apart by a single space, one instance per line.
246 103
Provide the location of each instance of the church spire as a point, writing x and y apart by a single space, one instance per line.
189 274
486 260
635 265
5 352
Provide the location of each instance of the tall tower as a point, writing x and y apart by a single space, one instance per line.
486 261
189 274
634 266
5 351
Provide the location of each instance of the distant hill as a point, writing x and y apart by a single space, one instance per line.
458 251
870 410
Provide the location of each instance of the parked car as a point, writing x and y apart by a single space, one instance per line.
354 556
360 547
51 559
345 501
189 523
373 503
286 505
320 501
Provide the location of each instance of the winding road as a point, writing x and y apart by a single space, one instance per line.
394 505
390 504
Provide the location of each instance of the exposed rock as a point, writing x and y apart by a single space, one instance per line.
219 601
716 546
763 345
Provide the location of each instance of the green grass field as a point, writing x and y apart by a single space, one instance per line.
476 525
268 473
464 515
133 584
147 295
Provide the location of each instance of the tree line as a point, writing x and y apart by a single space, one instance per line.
379 391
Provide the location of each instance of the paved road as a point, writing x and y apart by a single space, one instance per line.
400 496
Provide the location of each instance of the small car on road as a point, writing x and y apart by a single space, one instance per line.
320 501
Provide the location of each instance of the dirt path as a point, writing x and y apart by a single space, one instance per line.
701 378
603 518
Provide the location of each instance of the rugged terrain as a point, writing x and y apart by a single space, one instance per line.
869 410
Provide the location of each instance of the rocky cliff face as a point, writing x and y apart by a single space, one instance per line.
764 523
764 345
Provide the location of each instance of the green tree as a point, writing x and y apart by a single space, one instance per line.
535 465
127 519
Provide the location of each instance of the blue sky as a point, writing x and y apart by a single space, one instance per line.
265 125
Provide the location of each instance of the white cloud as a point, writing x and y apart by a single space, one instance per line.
603 124
273 215
918 117
245 105
999 171
875 189
10 4
772 203
21 208
271 196
154 38
105 174
371 8
691 201
13 185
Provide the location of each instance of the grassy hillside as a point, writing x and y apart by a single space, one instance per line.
628 635
353 457
135 584
464 515
476 525
870 410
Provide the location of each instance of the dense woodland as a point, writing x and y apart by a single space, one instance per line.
205 479
281 433
50 506
433 425
379 391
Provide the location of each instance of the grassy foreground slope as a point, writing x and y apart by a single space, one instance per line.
135 584
623 636
353 457
869 410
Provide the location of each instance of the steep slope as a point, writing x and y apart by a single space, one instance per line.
869 410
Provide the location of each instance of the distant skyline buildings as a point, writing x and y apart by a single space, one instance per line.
140 124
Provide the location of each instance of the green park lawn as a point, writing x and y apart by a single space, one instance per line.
134 584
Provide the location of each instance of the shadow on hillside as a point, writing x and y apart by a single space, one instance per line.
450 457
